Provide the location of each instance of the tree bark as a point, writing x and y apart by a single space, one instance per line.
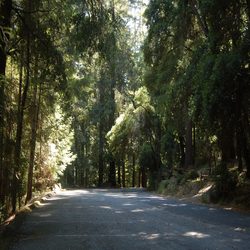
189 145
245 142
182 151
34 126
143 177
139 178
19 132
133 170
226 143
248 11
119 175
123 174
5 22
101 134
112 173
100 155
112 169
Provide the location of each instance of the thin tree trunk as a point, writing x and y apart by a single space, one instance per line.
112 173
139 178
239 127
101 136
34 126
123 174
143 177
19 133
239 149
119 174
182 151
100 156
245 142
5 22
133 170
157 150
248 11
189 145
194 144
112 169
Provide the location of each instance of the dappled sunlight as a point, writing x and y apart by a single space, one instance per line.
56 198
79 207
119 212
128 204
41 204
203 191
141 210
174 205
75 192
228 208
121 195
113 195
153 197
123 216
237 240
239 229
212 209
197 235
105 207
151 236
137 210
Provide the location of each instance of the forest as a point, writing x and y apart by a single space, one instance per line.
122 93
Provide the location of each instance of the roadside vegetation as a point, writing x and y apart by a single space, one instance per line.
124 93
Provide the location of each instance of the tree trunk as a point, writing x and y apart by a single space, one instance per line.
245 142
194 145
123 174
248 11
157 151
182 151
87 178
19 132
226 143
239 149
133 170
5 22
112 173
100 155
189 145
239 125
139 178
143 177
34 126
119 175
101 134
112 170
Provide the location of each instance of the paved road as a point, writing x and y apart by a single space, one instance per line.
130 219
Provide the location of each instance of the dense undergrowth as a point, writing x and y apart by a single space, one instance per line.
223 186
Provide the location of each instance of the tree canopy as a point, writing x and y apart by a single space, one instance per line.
122 93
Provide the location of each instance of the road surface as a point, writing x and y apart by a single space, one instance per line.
98 219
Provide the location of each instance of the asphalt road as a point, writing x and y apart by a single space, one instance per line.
97 219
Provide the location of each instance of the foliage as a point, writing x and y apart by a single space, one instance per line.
225 183
83 102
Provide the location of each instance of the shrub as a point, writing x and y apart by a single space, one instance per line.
191 175
225 183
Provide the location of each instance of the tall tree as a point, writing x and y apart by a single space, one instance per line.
5 25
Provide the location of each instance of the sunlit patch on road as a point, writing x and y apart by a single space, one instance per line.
196 235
